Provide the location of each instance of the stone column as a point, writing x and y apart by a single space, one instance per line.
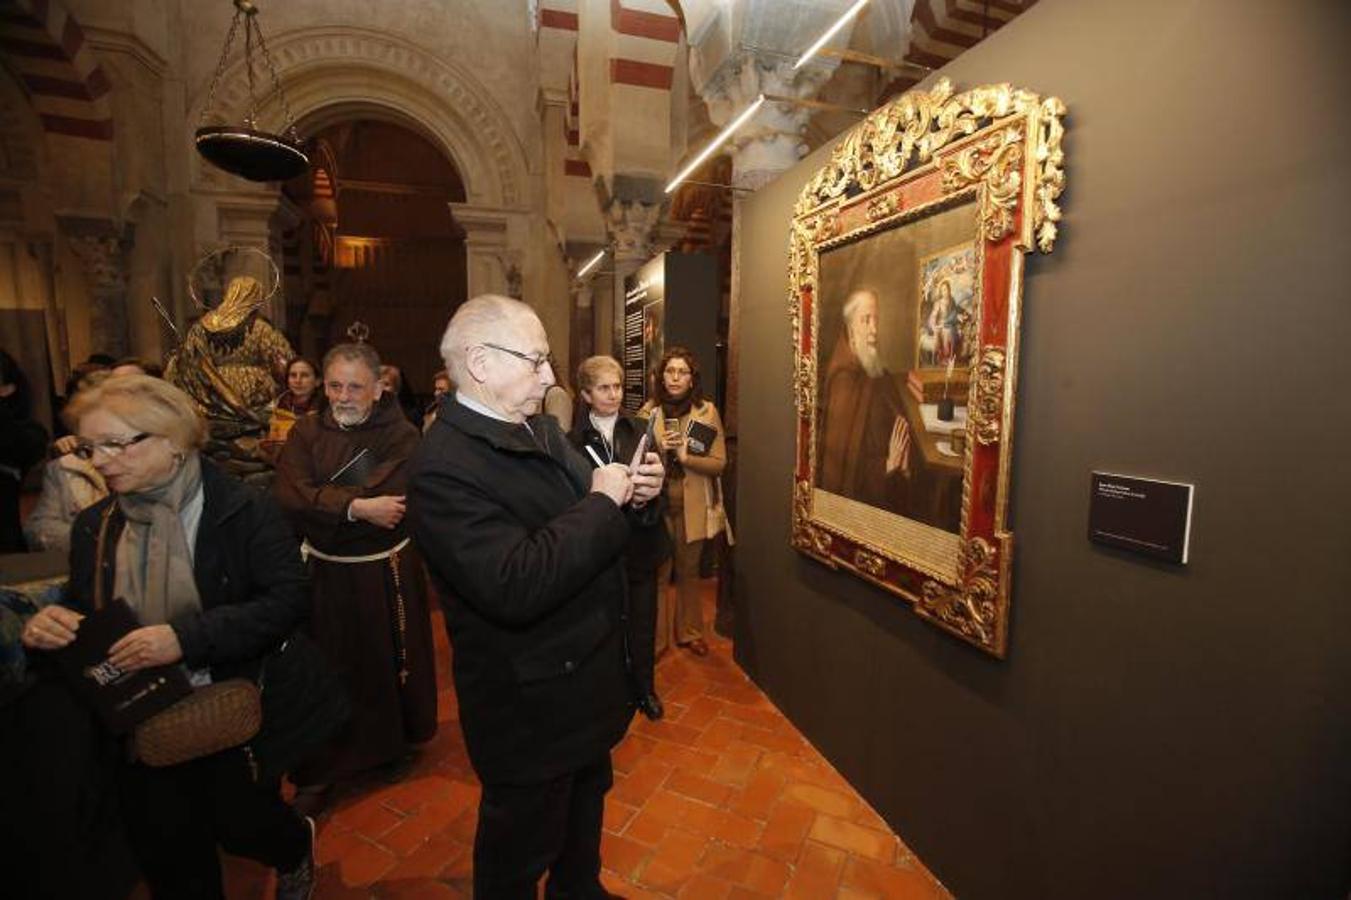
102 249
765 147
631 224
493 266
581 340
729 77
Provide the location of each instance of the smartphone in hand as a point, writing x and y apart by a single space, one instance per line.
639 453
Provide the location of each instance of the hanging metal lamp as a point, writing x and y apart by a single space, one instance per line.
245 149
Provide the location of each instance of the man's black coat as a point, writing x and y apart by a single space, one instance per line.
532 563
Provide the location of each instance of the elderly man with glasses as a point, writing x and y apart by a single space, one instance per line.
528 539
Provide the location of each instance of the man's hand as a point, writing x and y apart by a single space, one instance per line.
898 451
648 479
153 645
614 482
386 511
51 628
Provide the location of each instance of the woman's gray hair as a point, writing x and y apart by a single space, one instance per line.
481 319
593 367
147 404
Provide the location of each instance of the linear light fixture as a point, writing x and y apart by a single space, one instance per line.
717 142
591 263
830 33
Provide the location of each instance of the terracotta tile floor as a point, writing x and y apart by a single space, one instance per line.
721 799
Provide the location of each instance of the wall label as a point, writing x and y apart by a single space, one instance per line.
1142 515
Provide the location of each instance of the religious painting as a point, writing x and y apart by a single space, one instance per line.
878 431
907 252
947 308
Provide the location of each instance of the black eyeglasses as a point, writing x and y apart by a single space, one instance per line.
85 450
538 362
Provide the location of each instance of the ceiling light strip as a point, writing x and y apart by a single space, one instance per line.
830 33
591 263
717 142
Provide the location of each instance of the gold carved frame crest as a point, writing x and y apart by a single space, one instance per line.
991 154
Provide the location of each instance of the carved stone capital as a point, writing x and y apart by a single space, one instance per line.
103 249
773 141
631 225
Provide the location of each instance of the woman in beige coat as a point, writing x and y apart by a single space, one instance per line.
694 504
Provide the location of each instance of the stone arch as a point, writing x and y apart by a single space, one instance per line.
337 72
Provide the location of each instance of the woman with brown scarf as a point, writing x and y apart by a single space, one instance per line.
214 576
692 492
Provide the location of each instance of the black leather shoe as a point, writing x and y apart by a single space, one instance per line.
650 705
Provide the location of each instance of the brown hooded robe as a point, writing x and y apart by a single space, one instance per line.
375 631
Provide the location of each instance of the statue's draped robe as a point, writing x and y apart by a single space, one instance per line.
229 375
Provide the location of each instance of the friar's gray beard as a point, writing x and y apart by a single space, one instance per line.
348 419
867 358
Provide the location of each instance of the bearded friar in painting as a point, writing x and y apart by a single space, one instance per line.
864 450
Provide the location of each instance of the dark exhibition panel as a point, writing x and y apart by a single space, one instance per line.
1156 730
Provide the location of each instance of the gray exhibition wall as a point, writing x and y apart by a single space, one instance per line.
1156 731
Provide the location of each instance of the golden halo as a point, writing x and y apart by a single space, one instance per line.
226 251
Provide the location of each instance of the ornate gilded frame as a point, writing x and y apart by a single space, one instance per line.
999 147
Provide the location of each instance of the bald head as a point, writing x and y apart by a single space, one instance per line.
495 350
487 317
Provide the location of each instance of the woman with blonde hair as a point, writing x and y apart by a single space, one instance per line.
214 576
605 434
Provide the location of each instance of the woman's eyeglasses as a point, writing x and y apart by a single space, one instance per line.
86 449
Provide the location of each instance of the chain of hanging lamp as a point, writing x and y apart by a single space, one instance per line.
246 11
245 149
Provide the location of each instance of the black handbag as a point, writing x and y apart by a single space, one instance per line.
304 705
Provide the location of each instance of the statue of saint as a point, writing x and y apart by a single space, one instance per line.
231 364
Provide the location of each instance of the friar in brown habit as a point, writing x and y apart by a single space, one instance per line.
866 446
341 479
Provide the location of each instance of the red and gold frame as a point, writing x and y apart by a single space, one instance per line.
998 147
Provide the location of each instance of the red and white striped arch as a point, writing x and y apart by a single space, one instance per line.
941 30
45 48
640 49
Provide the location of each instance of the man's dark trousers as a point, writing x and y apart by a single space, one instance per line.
526 830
